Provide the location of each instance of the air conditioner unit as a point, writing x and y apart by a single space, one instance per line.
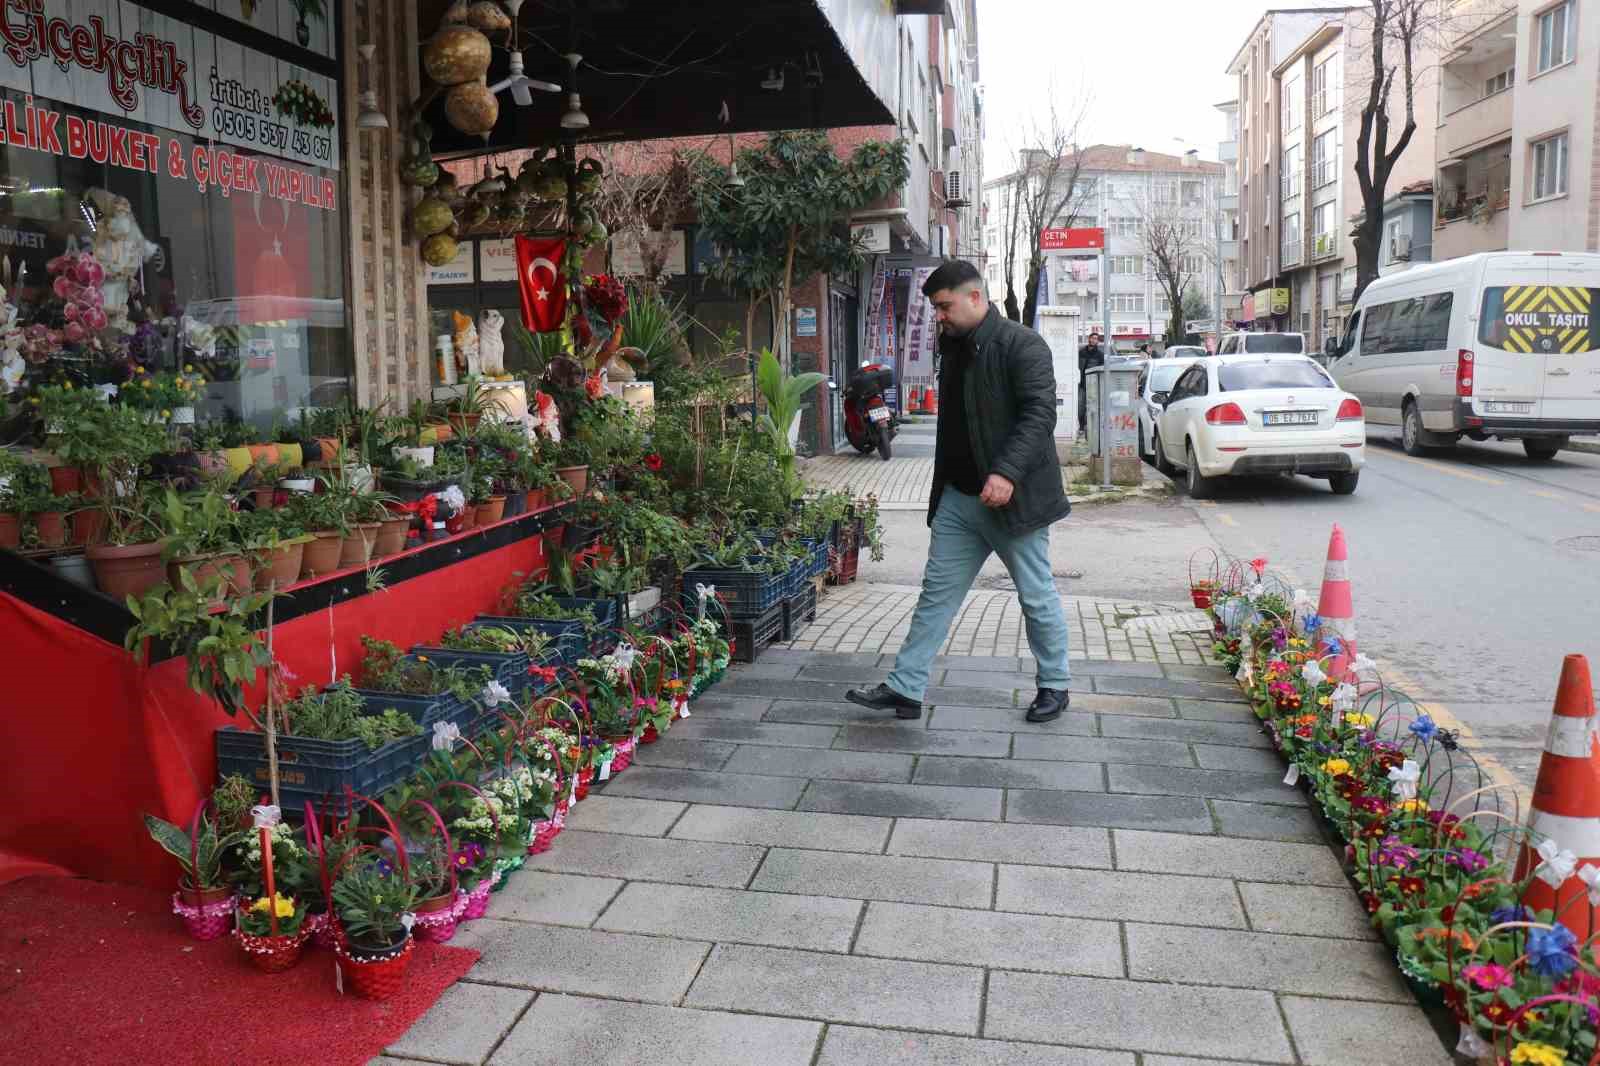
1400 247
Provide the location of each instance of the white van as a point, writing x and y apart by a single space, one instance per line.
1499 344
1262 344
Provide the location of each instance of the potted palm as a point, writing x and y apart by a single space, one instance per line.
204 899
372 899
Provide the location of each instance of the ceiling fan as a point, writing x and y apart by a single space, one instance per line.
516 80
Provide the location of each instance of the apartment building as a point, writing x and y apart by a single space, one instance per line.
1119 188
1303 120
1515 149
1228 206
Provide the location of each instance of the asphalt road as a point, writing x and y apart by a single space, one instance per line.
1474 570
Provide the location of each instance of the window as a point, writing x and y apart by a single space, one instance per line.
1127 264
1192 228
1549 167
1528 331
1272 374
1165 192
1291 239
1291 171
1163 304
1325 87
1418 324
1500 82
1122 226
1325 159
1291 106
1553 31
1127 303
1194 193
1323 221
1195 382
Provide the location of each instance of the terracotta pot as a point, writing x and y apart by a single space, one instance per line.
321 556
279 566
10 531
357 547
536 499
65 480
88 526
123 570
575 476
264 498
462 423
492 511
234 568
52 527
391 538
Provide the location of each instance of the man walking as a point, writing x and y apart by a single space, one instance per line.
1089 356
996 488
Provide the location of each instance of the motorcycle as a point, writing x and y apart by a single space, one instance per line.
869 422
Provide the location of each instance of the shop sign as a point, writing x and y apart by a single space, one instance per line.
120 60
874 236
459 270
805 322
627 260
1280 301
920 329
497 260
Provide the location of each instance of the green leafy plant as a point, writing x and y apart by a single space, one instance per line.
198 524
783 394
370 897
202 867
224 651
385 668
655 328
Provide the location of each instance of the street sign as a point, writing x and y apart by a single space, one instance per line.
1058 240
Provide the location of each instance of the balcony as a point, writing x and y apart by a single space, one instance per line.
1227 151
1477 124
1324 246
1291 254
1230 203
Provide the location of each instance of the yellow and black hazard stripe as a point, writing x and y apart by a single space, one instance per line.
1547 299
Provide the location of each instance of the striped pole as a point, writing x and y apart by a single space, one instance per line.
1566 804
1336 608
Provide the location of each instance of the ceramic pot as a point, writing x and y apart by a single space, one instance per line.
52 528
357 547
491 511
391 539
123 570
279 567
321 556
577 477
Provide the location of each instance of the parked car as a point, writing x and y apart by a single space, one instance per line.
1154 384
1231 415
1499 344
1262 344
1184 351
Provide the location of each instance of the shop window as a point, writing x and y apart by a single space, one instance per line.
210 201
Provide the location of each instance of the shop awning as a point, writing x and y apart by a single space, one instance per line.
666 68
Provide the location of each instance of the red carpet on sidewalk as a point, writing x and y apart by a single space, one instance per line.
94 973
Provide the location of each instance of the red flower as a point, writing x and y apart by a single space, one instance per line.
593 387
1448 915
1412 885
1371 902
1497 1012
652 462
1258 565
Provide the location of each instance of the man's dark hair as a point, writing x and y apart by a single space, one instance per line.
952 275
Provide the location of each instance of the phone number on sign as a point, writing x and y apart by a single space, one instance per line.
274 136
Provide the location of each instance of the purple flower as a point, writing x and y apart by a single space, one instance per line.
1332 646
1313 623
1470 861
1424 729
1501 915
1392 851
1552 952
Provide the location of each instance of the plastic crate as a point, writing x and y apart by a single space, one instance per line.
844 567
819 559
752 636
424 710
574 641
799 612
318 770
508 668
745 593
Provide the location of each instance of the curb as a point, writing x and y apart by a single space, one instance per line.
1590 446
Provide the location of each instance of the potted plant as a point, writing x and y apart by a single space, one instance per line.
481 494
202 536
68 420
412 425
204 899
438 898
466 409
571 458
372 898
126 560
325 518
46 512
124 443
276 543
22 486
393 529
272 930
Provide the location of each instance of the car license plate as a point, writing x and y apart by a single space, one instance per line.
879 414
1506 407
1289 418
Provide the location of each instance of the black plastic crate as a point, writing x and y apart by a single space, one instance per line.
424 710
752 636
508 668
745 593
799 612
319 770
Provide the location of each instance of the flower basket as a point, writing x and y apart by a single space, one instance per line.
475 903
374 975
322 931
585 778
623 758
273 954
650 735
207 914
1203 569
437 917
544 834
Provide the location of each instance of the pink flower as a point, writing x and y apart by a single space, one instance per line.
74 332
95 319
1259 565
1489 976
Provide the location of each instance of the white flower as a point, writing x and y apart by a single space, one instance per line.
1404 778
1363 665
445 735
266 816
1255 592
623 657
1558 865
453 498
1312 672
494 694
1344 697
1302 599
1589 874
1471 1045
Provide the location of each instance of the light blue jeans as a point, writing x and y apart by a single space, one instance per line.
964 533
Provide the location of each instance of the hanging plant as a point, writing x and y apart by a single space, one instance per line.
300 102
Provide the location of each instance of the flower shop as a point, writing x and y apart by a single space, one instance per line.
1492 921
319 620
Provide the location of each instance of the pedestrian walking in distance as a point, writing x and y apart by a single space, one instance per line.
996 488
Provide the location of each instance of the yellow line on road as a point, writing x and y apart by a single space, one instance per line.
1595 507
1445 468
1544 494
1226 519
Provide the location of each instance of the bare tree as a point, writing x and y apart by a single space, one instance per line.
1177 238
1401 33
1044 193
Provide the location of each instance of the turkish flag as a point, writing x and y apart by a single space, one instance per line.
544 291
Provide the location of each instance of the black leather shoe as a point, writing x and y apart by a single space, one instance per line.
1048 704
884 698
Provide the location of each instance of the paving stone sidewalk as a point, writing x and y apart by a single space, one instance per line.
787 879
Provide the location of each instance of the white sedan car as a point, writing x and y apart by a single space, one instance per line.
1240 415
1154 383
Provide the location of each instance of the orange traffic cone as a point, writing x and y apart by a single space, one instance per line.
1566 806
913 399
1337 609
930 401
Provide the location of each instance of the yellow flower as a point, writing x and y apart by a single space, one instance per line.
1296 642
147 383
422 658
1336 766
284 905
1324 700
1360 721
1531 1054
188 368
67 385
166 414
1415 806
